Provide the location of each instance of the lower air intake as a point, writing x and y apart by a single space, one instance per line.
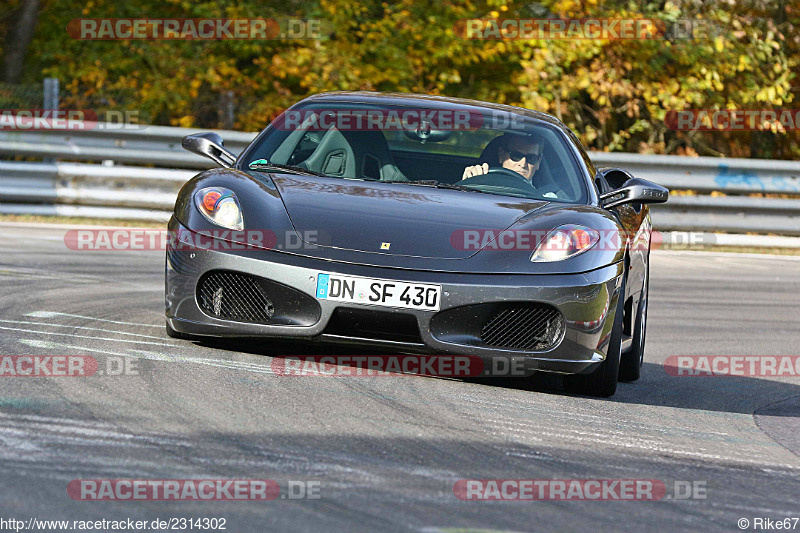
523 326
234 296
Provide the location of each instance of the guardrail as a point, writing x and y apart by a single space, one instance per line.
722 186
155 167
139 145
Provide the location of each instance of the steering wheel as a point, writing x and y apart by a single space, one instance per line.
500 177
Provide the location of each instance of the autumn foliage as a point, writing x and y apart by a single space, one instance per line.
615 93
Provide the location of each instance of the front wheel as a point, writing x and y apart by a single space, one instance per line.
630 367
603 381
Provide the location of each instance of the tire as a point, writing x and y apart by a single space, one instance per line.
177 334
630 366
603 381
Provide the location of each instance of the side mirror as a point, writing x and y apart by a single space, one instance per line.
635 191
209 145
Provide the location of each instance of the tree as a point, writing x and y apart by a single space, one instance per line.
614 93
19 34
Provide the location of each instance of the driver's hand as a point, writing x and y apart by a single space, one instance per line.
475 170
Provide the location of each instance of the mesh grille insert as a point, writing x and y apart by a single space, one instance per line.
523 326
233 296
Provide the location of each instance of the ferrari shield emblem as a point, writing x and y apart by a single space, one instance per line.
385 245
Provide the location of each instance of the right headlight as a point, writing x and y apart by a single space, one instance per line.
220 206
564 242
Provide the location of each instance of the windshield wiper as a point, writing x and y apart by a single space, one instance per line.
440 185
263 164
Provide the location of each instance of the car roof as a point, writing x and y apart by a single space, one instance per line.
448 102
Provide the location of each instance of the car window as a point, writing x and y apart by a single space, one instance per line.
526 157
460 143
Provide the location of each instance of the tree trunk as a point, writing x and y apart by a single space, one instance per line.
20 33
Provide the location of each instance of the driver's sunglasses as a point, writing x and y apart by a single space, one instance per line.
531 158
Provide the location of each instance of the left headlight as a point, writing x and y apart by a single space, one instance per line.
220 206
564 242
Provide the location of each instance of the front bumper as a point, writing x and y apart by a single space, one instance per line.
583 299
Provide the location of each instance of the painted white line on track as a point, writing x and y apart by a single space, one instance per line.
47 324
52 419
234 365
89 337
564 415
650 446
672 451
153 356
76 431
47 345
523 427
33 273
51 314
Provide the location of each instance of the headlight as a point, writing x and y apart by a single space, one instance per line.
564 242
220 206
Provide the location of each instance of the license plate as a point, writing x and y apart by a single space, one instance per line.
382 292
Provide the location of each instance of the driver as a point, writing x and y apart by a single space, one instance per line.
520 153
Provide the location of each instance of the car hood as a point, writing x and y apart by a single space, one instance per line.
393 218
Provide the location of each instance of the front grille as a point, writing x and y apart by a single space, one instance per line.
234 296
242 297
523 326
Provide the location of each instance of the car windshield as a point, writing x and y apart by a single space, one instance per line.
465 148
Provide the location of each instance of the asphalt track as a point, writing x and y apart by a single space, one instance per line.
387 450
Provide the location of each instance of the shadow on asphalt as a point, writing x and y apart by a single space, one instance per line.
729 394
657 386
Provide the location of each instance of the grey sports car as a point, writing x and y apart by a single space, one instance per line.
422 224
